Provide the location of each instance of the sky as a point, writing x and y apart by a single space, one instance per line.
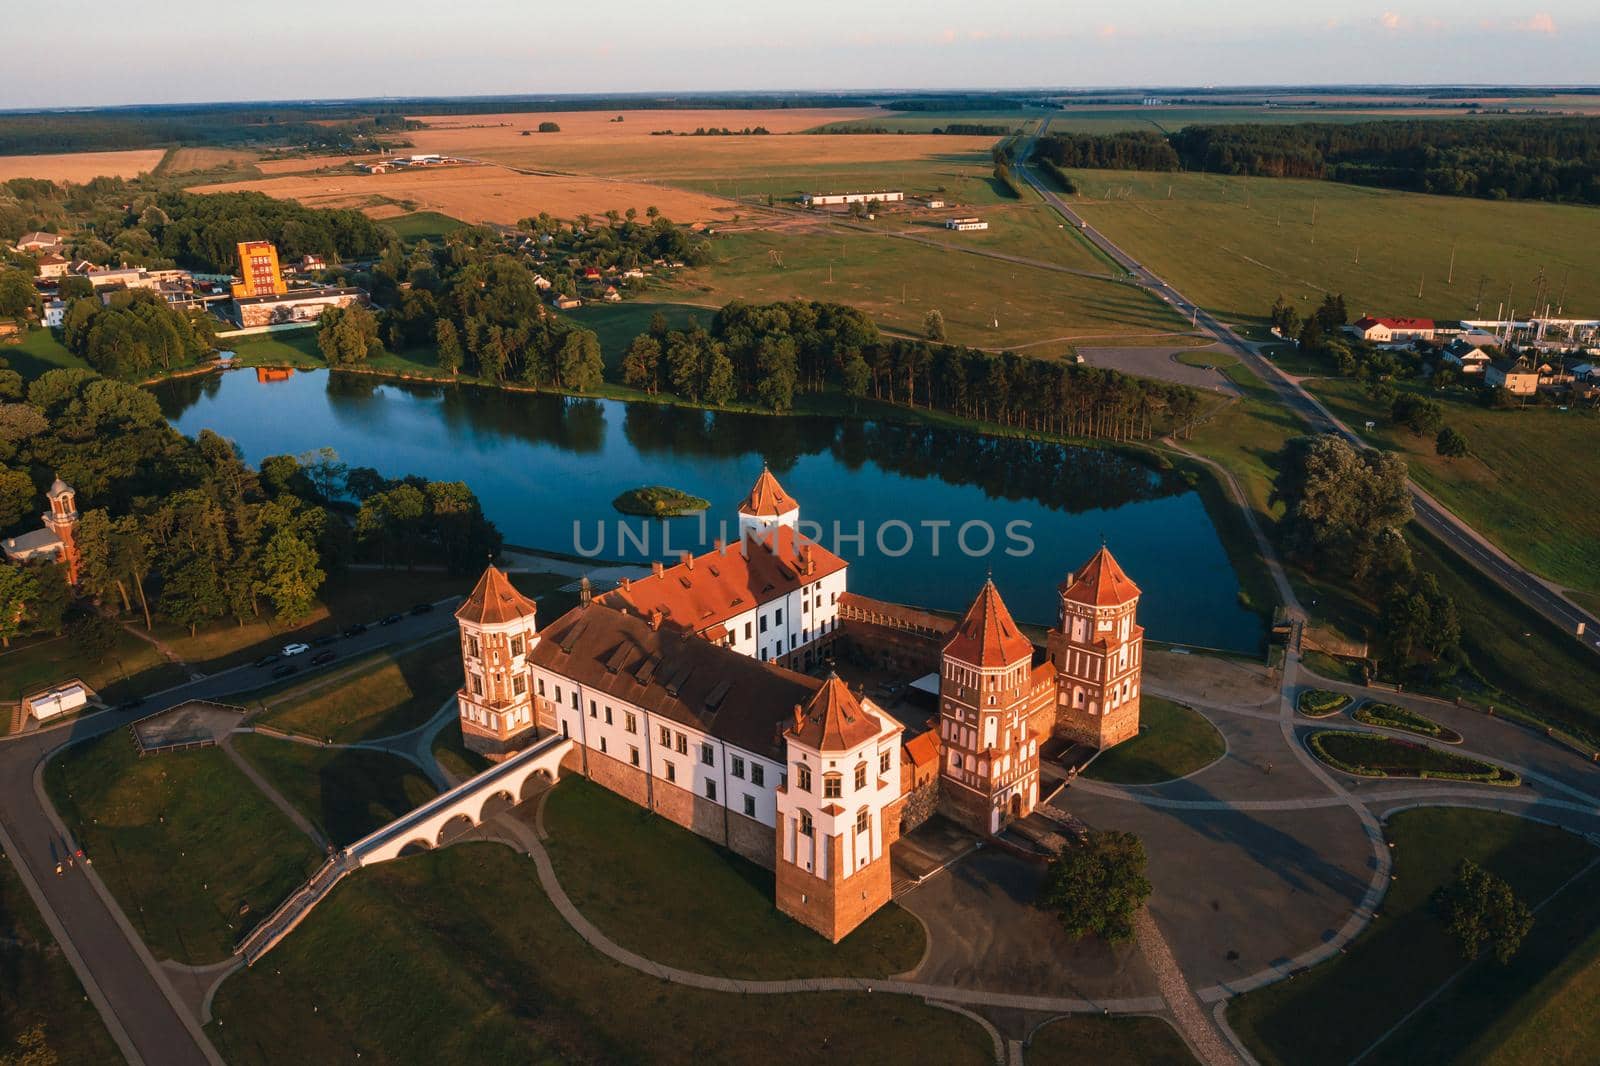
139 51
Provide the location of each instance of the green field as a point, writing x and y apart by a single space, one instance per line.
37 352
1335 1011
379 695
193 851
347 793
458 956
617 324
1173 741
452 755
1235 243
1125 1041
423 226
1028 228
898 282
131 667
613 857
38 988
1516 488
296 348
961 175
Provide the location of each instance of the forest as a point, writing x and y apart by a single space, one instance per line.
1555 159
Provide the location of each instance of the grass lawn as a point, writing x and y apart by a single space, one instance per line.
38 987
132 666
619 862
1126 1041
1379 756
423 226
195 854
1173 741
354 596
382 694
296 348
1028 227
38 352
618 324
1336 1010
458 956
346 793
1333 667
1514 488
898 282
1235 243
453 756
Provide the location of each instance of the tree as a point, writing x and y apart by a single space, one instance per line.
18 587
1418 623
1419 414
93 635
17 295
720 387
1343 509
777 371
191 591
641 364
1483 912
1450 443
290 576
348 335
933 326
16 497
856 375
581 366
448 343
549 127
32 1049
1098 886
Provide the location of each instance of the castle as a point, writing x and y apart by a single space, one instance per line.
684 693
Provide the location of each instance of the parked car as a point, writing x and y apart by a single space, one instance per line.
389 620
355 630
324 640
422 608
266 660
295 649
285 670
324 657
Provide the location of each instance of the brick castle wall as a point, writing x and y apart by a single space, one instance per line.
833 909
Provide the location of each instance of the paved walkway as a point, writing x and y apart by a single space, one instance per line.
1207 1044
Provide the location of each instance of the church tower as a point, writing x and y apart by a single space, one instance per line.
987 703
1097 647
838 811
766 508
496 696
62 520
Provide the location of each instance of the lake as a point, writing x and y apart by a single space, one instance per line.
921 513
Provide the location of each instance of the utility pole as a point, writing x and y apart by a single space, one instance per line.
1419 286
1358 254
1450 279
1477 305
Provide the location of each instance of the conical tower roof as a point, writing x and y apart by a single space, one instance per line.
1100 583
495 600
834 719
987 635
767 498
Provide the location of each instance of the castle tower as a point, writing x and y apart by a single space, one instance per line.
62 520
987 697
1097 647
766 508
496 695
838 811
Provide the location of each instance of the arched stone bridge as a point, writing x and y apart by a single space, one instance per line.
497 789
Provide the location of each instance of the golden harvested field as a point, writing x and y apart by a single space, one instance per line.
187 160
485 194
79 167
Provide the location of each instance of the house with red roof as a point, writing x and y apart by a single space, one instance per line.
1393 330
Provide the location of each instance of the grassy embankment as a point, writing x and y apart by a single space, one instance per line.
1126 1041
379 695
344 792
1337 1010
613 857
193 852
1173 741
131 667
393 966
1235 243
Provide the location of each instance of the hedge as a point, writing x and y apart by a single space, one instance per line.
1319 702
1486 773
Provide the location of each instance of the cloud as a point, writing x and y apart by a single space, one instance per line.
1538 23
1108 30
1389 20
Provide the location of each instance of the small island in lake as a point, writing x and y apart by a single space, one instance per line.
659 501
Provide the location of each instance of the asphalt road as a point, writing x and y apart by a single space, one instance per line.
121 977
1430 514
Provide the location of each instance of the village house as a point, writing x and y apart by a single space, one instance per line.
1393 330
49 243
51 265
1517 376
835 199
1468 356
681 694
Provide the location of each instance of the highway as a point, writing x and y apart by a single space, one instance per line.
1430 514
122 979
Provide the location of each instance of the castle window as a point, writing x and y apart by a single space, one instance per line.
711 790
805 606
863 820
749 806
477 685
519 684
802 777
832 786
516 646
747 630
763 623
777 617
472 647
708 755
630 721
737 766
758 774
861 775
602 745
883 762
608 715
574 699
805 823
558 693
683 744
633 755
672 772
593 713
666 737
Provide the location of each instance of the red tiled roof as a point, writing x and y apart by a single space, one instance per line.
1368 321
923 748
834 720
767 498
495 600
710 589
1100 583
987 635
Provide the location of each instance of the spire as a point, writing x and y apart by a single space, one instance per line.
1100 582
767 498
834 719
987 635
495 600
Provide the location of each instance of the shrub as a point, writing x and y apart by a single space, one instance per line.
1396 717
1319 702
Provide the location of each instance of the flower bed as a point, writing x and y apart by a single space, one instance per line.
1394 716
1368 755
1320 703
